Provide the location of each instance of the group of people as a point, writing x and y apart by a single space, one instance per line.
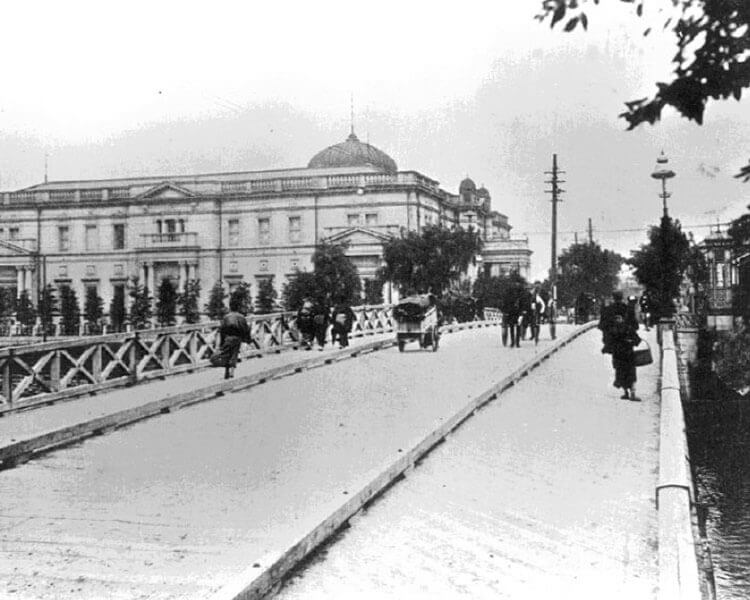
314 319
522 311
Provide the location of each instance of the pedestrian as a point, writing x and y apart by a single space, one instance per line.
321 316
305 323
645 306
342 320
619 328
511 307
233 330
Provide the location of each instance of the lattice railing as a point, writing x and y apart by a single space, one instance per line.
56 369
44 372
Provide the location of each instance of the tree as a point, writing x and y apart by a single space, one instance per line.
117 313
337 276
373 291
188 302
430 261
301 285
265 301
7 308
93 309
587 268
661 265
70 311
47 309
140 305
490 291
241 294
216 308
25 312
711 59
334 279
166 303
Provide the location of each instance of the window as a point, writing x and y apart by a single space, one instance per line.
371 219
92 238
118 238
352 220
264 265
13 233
63 238
234 232
264 230
295 227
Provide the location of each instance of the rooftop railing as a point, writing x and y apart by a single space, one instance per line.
168 240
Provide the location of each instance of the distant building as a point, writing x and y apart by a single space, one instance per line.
722 280
233 227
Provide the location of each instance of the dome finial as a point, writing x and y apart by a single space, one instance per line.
351 115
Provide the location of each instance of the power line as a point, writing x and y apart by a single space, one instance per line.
634 230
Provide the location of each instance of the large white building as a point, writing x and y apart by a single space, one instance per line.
232 227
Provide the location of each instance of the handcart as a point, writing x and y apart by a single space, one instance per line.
417 319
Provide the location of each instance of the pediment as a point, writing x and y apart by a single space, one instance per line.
166 191
8 249
359 236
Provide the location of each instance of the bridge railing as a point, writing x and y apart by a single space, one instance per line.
57 369
48 371
678 565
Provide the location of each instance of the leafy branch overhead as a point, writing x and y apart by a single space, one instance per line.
712 58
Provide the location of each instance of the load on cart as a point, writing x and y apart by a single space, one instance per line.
417 319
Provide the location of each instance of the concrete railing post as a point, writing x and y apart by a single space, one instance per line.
678 562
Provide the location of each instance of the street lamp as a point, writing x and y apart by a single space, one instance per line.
663 172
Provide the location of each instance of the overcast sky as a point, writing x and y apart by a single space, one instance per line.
446 88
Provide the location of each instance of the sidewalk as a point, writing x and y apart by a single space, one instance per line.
548 492
22 425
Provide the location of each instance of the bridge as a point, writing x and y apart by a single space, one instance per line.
129 470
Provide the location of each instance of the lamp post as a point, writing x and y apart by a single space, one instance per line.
663 172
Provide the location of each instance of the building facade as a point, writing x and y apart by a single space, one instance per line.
232 227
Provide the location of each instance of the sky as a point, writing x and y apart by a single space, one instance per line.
477 88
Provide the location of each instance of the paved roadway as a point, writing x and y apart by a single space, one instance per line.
175 506
546 493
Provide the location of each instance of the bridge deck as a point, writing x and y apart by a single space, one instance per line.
176 506
546 493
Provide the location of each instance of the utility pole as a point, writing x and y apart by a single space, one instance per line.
591 233
555 191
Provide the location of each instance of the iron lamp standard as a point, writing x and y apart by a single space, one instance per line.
663 172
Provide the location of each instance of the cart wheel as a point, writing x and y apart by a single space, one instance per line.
401 344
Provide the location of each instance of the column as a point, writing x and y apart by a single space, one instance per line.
151 279
192 268
20 272
182 269
144 272
29 285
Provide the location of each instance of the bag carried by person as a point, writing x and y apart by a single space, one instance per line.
642 355
218 360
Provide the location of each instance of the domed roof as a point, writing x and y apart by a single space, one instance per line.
353 153
467 185
483 192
